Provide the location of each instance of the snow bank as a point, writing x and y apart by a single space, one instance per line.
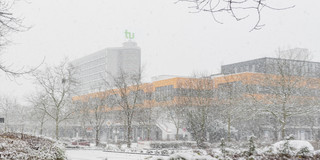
190 156
21 146
297 144
293 147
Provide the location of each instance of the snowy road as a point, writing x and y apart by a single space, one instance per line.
100 155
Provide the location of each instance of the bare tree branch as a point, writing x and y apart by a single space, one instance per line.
232 8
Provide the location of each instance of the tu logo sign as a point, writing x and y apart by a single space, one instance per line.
129 35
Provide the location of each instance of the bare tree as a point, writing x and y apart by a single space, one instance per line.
146 118
16 116
57 83
94 111
231 101
313 122
7 107
39 101
81 116
129 91
196 94
237 9
9 24
285 90
21 117
175 114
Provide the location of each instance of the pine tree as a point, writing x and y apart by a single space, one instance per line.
252 146
223 148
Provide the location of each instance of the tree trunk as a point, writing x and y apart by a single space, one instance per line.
129 135
97 137
148 133
57 130
177 133
275 133
283 130
229 129
41 128
201 138
283 126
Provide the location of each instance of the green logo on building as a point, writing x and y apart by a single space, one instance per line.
129 35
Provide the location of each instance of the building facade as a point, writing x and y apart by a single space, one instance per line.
92 71
286 91
267 82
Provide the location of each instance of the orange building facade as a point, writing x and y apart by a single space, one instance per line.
256 80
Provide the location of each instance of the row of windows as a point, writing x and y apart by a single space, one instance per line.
279 90
275 66
134 97
91 64
90 87
97 68
246 68
90 78
164 93
293 68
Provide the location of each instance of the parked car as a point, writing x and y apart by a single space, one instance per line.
81 142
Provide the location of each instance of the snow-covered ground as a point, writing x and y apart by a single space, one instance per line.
100 155
286 149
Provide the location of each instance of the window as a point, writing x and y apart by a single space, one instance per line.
253 68
164 93
148 96
247 68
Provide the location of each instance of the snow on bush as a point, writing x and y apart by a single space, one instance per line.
171 144
293 148
250 150
287 149
190 156
316 154
21 146
227 154
112 147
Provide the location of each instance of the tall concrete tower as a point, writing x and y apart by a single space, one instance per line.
92 70
125 59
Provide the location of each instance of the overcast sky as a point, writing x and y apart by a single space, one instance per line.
173 41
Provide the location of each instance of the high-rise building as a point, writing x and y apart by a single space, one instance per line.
94 69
